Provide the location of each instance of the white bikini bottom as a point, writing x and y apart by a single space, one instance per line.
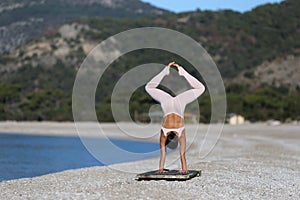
178 130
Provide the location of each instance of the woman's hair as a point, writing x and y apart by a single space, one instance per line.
172 140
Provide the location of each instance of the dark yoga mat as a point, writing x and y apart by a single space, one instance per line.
170 175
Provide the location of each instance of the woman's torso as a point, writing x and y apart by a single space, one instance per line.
173 120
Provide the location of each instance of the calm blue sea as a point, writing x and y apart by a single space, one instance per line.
31 155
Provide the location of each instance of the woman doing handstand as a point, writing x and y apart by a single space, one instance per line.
173 108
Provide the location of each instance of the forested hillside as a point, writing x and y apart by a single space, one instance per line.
250 49
22 20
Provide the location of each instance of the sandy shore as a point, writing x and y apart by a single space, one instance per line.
248 162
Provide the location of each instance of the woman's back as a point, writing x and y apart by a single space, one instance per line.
173 121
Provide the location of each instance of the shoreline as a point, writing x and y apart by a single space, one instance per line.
70 129
253 161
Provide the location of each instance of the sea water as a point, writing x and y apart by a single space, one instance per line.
24 155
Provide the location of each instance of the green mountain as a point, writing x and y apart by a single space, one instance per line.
22 20
257 53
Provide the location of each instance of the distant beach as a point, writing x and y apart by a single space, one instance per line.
253 161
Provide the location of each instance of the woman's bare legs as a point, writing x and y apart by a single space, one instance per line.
182 142
163 139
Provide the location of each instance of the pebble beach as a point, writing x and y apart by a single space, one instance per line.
252 161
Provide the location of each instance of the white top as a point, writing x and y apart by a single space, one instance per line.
176 104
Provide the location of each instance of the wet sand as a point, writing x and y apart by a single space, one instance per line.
254 161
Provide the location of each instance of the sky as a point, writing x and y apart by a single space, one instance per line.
191 5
